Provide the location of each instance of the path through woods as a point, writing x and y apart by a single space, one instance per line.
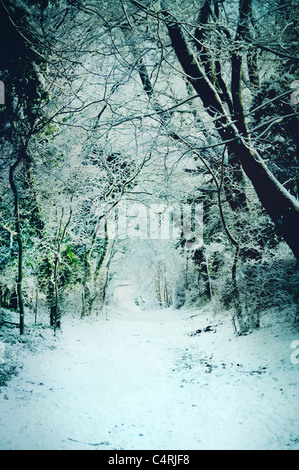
153 380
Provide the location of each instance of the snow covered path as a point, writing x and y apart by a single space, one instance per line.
142 381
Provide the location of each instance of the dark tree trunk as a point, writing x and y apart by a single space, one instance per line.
276 200
19 242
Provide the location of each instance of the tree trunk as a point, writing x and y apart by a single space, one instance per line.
85 288
19 241
104 286
89 297
55 313
51 302
276 200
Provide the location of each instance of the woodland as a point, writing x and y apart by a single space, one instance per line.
155 104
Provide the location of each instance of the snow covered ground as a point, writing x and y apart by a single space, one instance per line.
150 380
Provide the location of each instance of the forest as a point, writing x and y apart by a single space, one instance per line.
145 107
149 160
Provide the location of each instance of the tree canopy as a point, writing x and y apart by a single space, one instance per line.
161 104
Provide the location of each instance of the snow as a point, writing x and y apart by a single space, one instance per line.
150 380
